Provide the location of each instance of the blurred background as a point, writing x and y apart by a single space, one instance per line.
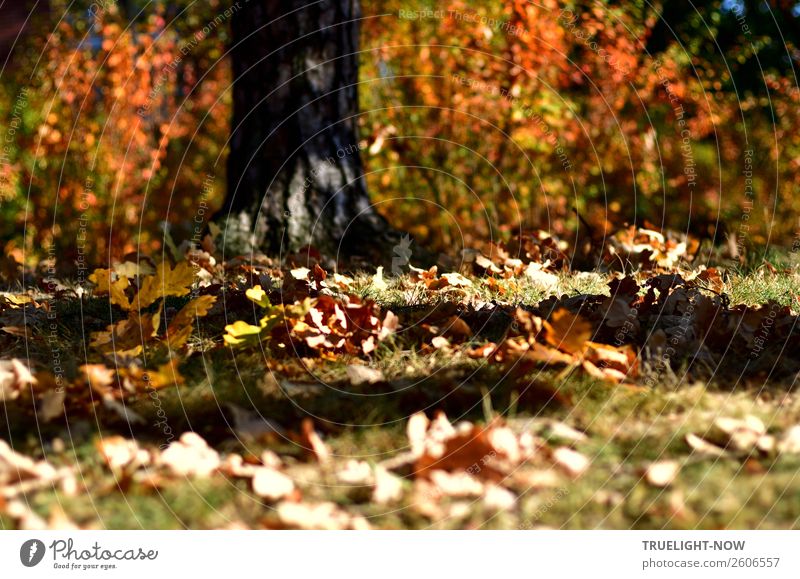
477 118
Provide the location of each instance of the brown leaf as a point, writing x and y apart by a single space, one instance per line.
312 443
180 328
567 331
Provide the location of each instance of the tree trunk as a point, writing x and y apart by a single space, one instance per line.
294 172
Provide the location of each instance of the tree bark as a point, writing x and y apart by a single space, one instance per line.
295 176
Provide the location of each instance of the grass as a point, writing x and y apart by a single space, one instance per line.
625 429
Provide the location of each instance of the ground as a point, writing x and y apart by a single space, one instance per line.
539 445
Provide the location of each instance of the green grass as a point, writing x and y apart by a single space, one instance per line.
626 429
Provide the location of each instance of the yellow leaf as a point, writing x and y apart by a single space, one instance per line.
166 282
128 337
196 308
180 328
259 296
117 289
99 376
102 279
240 332
567 331
132 269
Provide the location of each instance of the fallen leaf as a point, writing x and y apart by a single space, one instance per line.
52 405
388 487
312 443
790 443
166 282
119 452
497 498
190 456
271 484
416 431
364 375
662 473
572 461
455 484
355 472
14 376
702 446
319 516
567 331
456 280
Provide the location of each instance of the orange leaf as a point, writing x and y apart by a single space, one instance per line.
567 331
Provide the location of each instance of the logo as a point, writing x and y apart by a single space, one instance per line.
402 255
32 552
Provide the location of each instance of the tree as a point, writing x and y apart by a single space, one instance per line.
295 176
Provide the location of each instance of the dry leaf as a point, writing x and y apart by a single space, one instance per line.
319 516
52 405
790 443
190 456
416 431
388 487
180 328
571 461
456 280
120 453
699 445
20 474
567 331
14 376
739 435
312 443
166 282
355 472
497 498
540 278
364 375
455 484
271 484
662 473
